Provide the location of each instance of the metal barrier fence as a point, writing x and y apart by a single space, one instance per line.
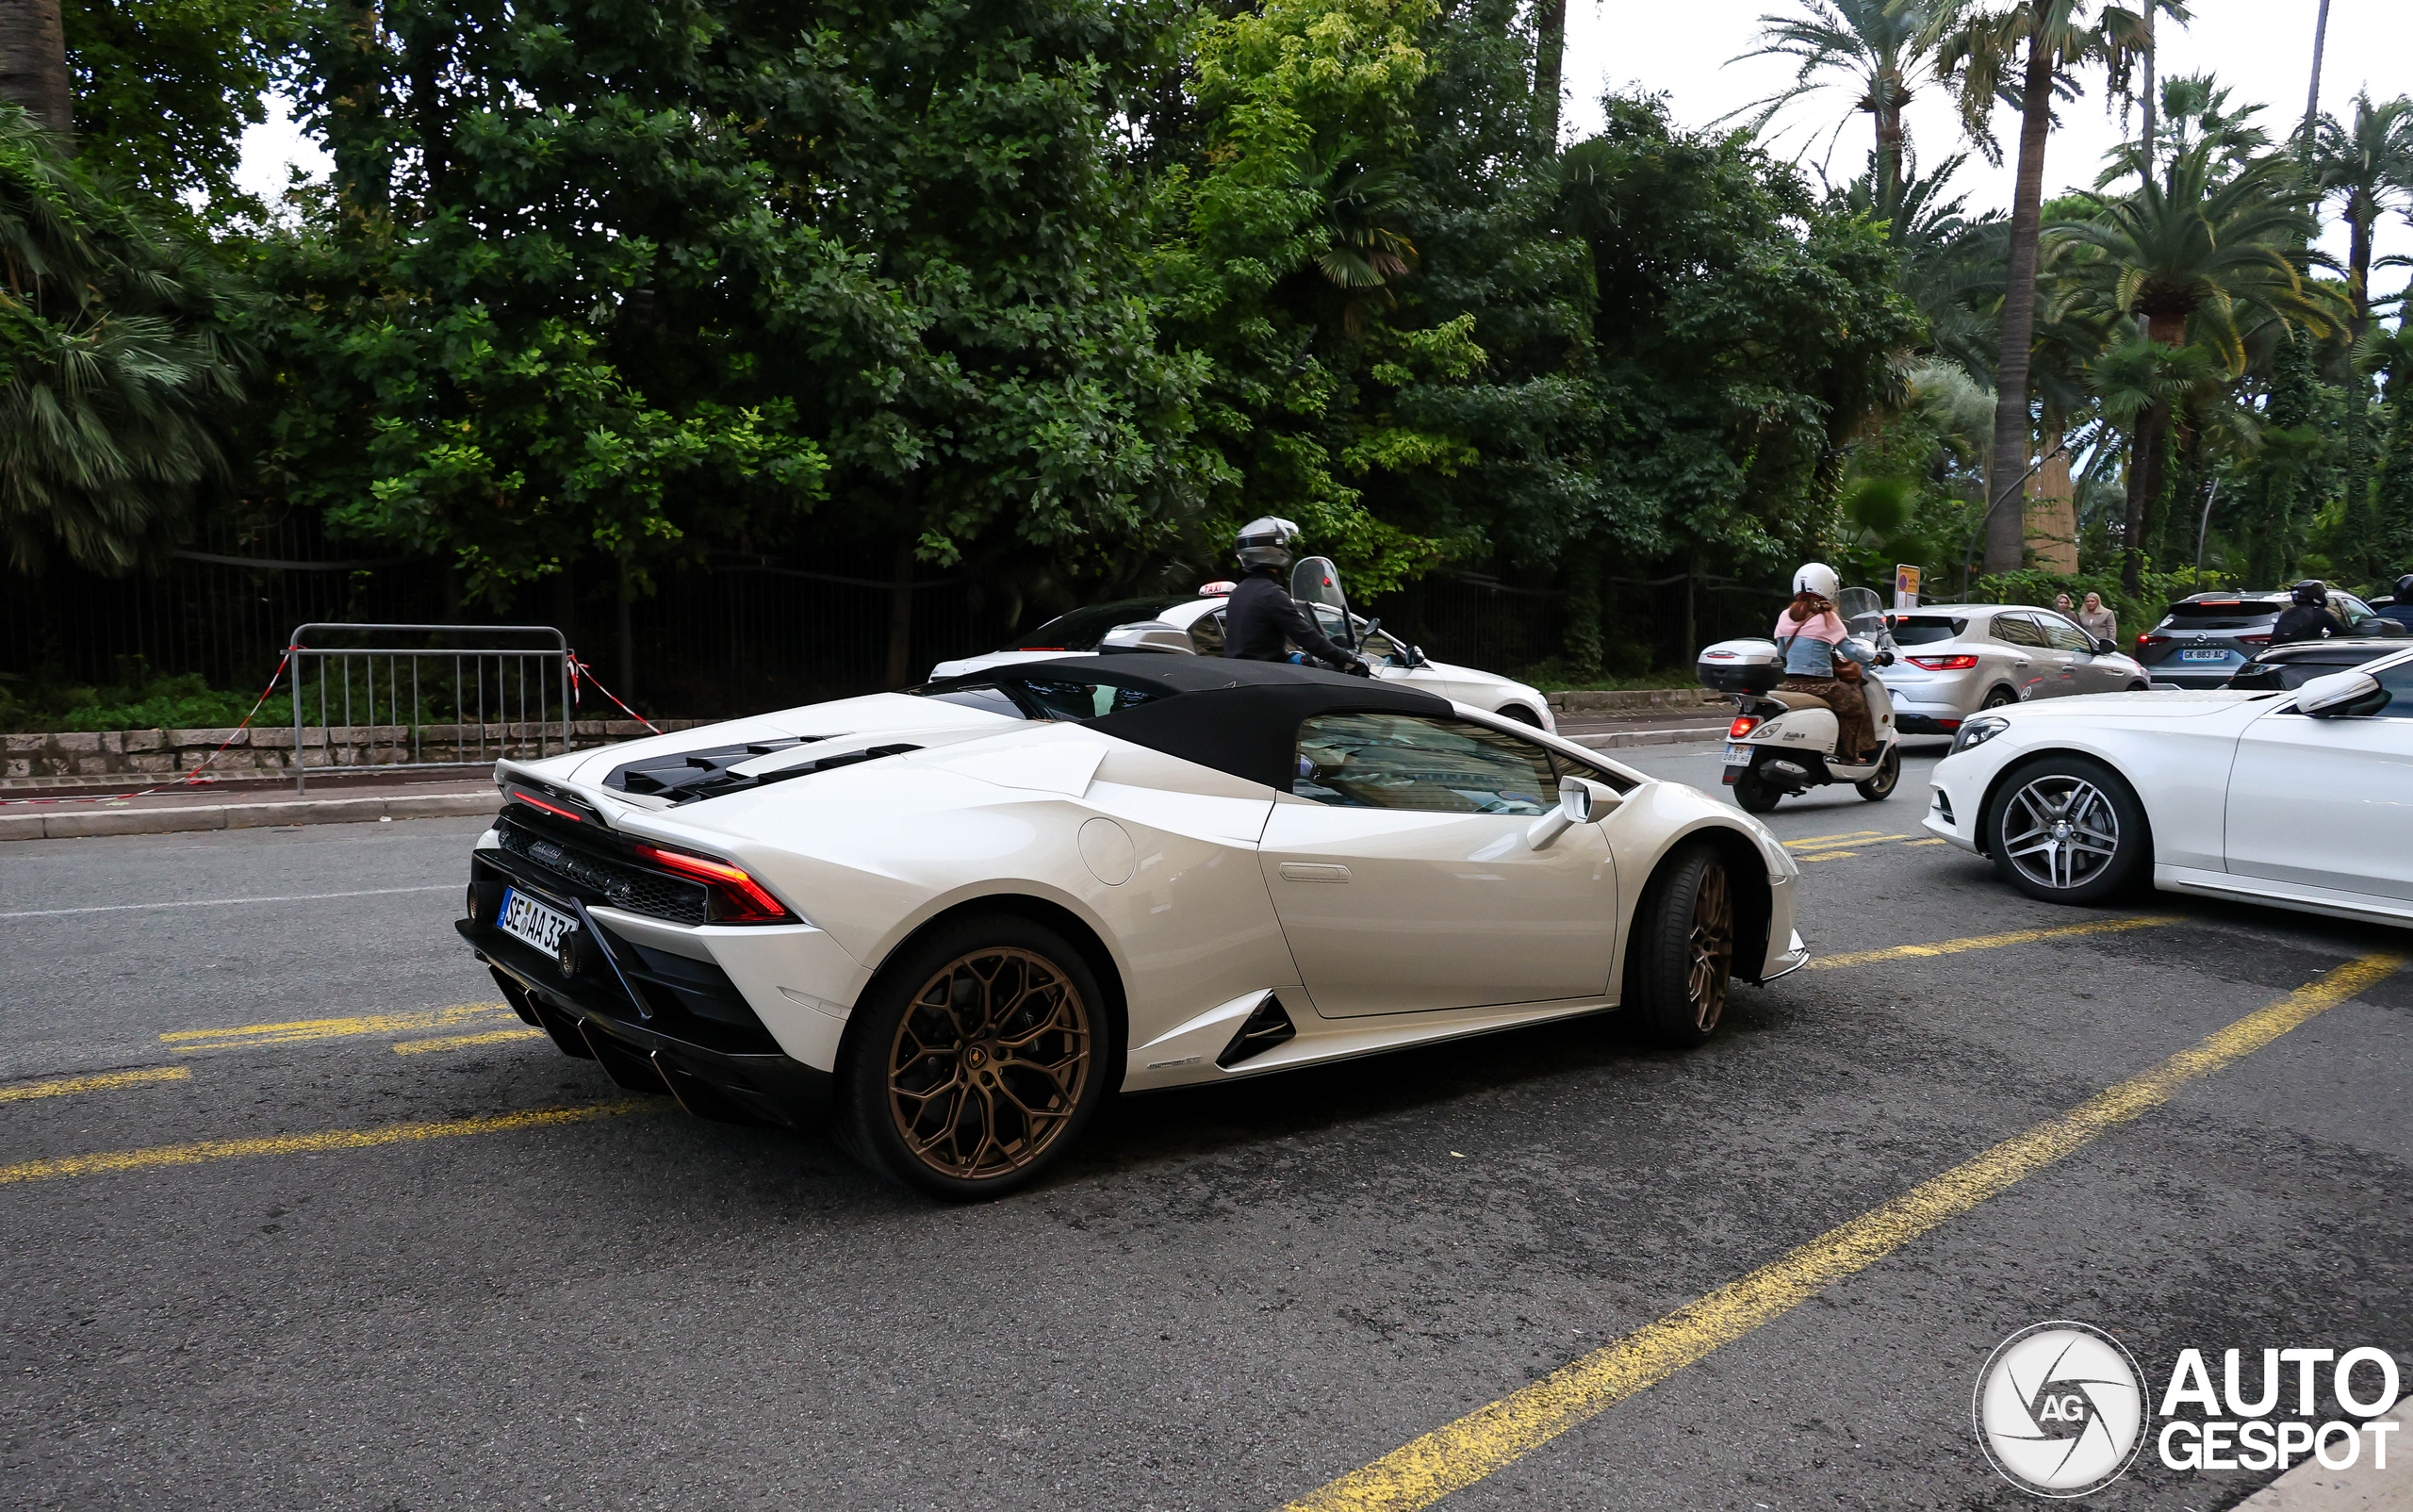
490 690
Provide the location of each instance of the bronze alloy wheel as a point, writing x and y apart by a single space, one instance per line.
987 1064
1713 947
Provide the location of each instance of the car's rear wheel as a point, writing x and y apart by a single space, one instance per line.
1683 957
1756 794
975 1060
2068 830
1998 698
1879 787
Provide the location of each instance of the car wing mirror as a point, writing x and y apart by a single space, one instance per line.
1581 800
2385 628
1147 635
1416 657
2107 647
2337 694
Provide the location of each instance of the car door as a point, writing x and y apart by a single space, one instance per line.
2328 802
2084 671
2043 672
1409 883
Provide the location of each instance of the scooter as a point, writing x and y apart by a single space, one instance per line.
1782 744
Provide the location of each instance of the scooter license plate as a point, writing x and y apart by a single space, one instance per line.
1737 754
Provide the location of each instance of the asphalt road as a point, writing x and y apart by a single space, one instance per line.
1226 1300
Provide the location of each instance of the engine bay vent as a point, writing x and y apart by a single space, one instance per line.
1265 1028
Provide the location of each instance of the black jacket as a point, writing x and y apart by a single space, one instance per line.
1264 623
2305 622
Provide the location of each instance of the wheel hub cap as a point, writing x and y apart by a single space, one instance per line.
987 1067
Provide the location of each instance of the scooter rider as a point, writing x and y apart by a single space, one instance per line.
1812 634
2401 608
1264 621
2308 617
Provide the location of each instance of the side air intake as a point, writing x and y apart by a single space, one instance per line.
1268 1027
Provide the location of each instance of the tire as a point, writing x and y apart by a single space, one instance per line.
1753 796
1998 698
1683 957
1878 788
2067 829
943 1087
1521 714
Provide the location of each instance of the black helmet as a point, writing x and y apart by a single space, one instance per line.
1266 543
2313 593
2404 588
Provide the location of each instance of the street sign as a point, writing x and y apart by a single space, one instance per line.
1906 587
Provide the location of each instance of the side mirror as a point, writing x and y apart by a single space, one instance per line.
2385 628
1147 635
2107 647
2339 693
1581 800
1416 657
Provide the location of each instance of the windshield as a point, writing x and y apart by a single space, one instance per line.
1081 629
1862 611
1925 629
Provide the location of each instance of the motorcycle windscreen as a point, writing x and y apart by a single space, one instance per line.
1316 583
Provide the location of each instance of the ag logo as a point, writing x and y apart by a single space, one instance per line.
2060 1410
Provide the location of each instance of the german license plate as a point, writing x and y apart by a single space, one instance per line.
1737 754
524 918
2203 656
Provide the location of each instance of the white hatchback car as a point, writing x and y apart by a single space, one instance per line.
1953 659
1196 625
2302 798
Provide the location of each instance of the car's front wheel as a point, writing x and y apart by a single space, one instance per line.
975 1060
1683 955
2068 830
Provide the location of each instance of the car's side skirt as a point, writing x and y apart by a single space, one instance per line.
1320 1042
2359 906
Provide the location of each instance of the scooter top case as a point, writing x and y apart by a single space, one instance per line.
1751 666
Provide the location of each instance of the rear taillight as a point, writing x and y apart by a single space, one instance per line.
737 898
1744 724
1944 664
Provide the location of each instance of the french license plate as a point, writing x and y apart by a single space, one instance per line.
2203 656
524 918
1737 754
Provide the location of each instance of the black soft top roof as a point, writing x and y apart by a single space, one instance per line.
1236 716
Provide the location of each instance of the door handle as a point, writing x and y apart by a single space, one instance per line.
1308 871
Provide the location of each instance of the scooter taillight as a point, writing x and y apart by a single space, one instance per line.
1744 724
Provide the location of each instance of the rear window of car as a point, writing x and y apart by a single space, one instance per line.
1925 630
2220 613
1081 629
1052 696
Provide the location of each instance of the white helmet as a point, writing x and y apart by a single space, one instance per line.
1819 578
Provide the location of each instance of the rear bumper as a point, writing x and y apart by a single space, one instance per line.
1924 724
733 1071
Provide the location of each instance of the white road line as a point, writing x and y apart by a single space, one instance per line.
228 902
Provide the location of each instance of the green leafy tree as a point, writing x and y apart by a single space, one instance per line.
164 88
120 358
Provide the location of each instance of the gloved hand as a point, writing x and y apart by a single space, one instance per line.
1884 658
1359 668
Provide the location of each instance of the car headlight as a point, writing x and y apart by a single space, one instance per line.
1977 731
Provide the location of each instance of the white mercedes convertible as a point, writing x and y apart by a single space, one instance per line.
2299 798
953 921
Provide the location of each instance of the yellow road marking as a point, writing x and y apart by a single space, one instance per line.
1815 841
1923 843
1830 855
457 1042
183 1040
335 1139
1455 1457
68 1086
1988 941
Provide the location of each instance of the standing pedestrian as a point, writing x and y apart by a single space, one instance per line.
2097 621
2061 606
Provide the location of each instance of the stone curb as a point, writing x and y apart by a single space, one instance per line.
89 823
1621 739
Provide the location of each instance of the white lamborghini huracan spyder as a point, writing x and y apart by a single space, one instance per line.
953 921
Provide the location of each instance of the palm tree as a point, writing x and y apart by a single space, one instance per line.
1988 49
2186 255
1874 47
33 64
2369 166
116 364
2194 112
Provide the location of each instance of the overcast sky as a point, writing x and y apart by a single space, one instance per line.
2262 47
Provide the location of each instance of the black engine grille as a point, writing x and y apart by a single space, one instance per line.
598 879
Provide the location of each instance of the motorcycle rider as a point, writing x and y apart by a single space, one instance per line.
1263 621
2308 617
1812 635
2401 608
